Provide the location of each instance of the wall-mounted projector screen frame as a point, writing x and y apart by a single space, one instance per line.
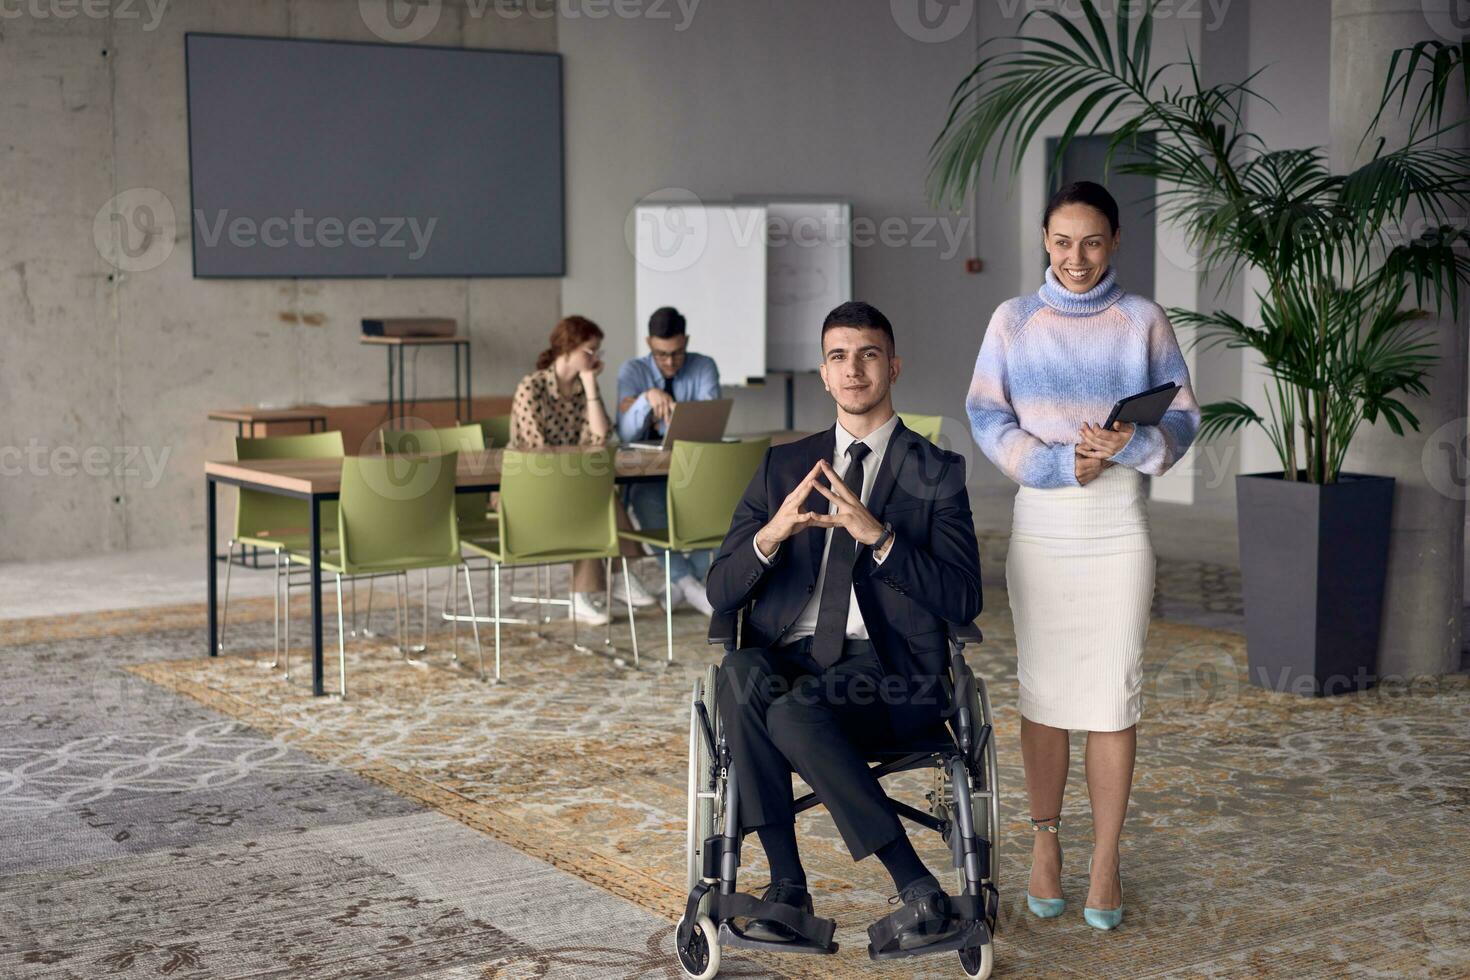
328 159
709 261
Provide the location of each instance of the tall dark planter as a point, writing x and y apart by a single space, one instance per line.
1313 560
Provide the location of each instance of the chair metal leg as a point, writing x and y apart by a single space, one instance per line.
224 616
495 576
401 599
276 616
572 612
398 618
341 641
475 623
352 586
286 624
426 610
367 617
607 596
453 599
669 602
632 627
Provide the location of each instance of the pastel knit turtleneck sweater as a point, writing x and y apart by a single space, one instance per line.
1056 359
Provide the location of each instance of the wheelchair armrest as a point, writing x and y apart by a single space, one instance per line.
964 635
962 687
724 629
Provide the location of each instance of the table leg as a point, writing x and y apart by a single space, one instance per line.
255 553
458 416
388 424
229 556
317 688
469 401
213 574
402 396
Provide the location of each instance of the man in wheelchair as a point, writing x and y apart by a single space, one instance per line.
853 550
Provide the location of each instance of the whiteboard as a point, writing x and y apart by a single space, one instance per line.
709 261
809 271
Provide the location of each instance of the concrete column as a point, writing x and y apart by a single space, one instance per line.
1422 616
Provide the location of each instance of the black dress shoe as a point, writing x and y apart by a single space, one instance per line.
931 904
787 892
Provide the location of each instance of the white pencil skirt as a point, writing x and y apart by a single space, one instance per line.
1080 574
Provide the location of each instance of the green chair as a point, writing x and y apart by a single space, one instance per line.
554 508
271 522
927 426
476 521
706 481
396 515
497 431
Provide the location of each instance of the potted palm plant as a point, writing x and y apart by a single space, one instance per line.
1338 338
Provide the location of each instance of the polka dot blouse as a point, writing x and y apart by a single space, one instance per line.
542 416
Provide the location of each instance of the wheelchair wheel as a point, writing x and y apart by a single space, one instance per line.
991 813
699 953
703 790
978 961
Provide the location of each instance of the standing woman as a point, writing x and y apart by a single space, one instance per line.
559 404
1080 572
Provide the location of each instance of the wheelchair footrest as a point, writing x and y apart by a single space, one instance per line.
969 925
813 933
965 936
729 936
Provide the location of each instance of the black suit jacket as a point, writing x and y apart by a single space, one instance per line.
931 576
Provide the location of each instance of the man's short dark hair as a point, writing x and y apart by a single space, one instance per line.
856 313
666 323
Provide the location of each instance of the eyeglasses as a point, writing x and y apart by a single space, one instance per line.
669 355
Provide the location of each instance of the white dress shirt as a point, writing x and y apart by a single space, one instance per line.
806 623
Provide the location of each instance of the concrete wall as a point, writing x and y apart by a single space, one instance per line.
819 97
835 98
106 373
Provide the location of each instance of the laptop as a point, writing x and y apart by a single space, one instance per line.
693 422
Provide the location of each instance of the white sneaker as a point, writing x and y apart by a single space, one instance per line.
691 590
628 585
588 611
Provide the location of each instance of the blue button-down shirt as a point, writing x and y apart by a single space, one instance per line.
698 380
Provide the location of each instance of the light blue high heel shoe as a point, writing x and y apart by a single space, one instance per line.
1104 919
1046 908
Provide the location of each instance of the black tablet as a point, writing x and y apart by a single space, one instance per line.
1144 408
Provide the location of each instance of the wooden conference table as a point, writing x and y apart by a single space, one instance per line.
315 480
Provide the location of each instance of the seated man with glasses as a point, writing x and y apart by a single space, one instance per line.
648 387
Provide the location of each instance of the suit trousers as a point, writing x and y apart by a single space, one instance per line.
782 713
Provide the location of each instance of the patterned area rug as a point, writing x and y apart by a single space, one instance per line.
1267 833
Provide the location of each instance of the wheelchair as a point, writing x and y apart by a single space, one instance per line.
963 807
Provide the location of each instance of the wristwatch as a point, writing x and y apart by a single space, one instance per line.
883 538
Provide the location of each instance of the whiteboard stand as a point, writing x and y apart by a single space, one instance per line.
790 377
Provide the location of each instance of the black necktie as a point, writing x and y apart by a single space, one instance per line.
837 585
650 428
